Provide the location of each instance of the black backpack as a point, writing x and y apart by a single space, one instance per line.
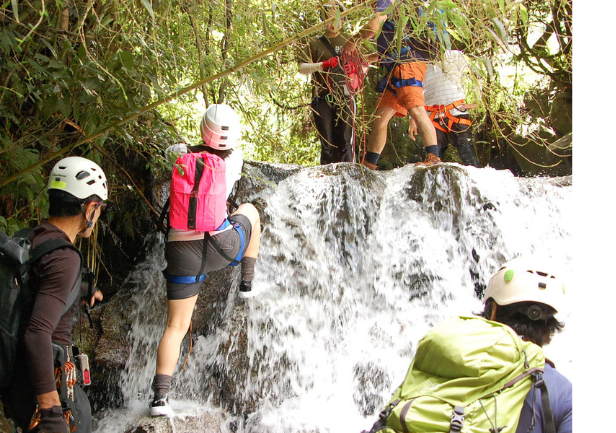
16 259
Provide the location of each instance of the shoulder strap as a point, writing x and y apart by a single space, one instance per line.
328 45
164 213
548 416
193 201
49 246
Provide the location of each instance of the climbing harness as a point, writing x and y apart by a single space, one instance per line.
178 279
391 83
433 110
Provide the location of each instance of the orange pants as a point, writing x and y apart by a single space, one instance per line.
408 96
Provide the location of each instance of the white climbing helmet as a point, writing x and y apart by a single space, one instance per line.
220 127
79 177
527 280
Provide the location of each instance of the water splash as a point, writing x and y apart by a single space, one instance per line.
354 268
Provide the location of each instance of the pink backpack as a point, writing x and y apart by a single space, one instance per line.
198 192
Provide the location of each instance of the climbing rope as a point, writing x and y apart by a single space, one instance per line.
356 85
361 67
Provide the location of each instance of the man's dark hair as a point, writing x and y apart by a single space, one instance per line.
63 204
515 316
203 148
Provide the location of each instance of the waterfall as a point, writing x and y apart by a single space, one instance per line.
354 268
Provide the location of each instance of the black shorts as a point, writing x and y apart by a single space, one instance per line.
184 257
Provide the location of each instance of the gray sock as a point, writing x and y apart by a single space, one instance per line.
248 268
161 385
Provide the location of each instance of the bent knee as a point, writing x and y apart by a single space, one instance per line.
249 211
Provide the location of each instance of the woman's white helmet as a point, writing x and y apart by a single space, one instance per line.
79 177
220 127
526 280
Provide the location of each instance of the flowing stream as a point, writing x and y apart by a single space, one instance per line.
354 268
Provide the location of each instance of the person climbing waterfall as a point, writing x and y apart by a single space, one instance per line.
202 238
401 87
45 395
447 107
334 84
490 373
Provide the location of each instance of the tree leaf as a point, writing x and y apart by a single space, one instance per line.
127 59
15 10
495 37
148 6
502 33
76 111
524 14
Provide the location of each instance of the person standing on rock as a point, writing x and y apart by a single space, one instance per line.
448 110
202 237
401 87
333 105
45 381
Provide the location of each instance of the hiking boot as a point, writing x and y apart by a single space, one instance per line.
431 160
370 165
246 290
160 407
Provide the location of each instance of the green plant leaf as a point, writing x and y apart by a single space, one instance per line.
148 6
15 7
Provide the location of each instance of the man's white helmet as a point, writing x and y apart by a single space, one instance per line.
79 177
220 127
526 280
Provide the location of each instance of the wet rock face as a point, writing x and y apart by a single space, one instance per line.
206 423
109 345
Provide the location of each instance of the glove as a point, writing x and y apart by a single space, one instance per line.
52 421
353 78
350 68
331 63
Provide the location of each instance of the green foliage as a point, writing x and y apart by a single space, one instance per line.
71 69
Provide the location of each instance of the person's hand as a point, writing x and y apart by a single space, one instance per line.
372 58
98 296
412 128
466 107
52 420
330 63
349 47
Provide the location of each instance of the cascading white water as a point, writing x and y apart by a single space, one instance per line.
354 268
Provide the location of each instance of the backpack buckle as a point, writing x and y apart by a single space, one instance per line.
457 420
388 410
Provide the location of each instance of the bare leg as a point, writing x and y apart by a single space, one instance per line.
428 135
378 134
424 125
179 314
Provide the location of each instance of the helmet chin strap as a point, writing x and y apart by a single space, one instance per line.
90 222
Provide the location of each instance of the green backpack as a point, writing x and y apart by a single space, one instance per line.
16 258
469 375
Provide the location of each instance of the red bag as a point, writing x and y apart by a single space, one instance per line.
198 192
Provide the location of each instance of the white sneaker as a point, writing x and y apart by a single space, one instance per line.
160 407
